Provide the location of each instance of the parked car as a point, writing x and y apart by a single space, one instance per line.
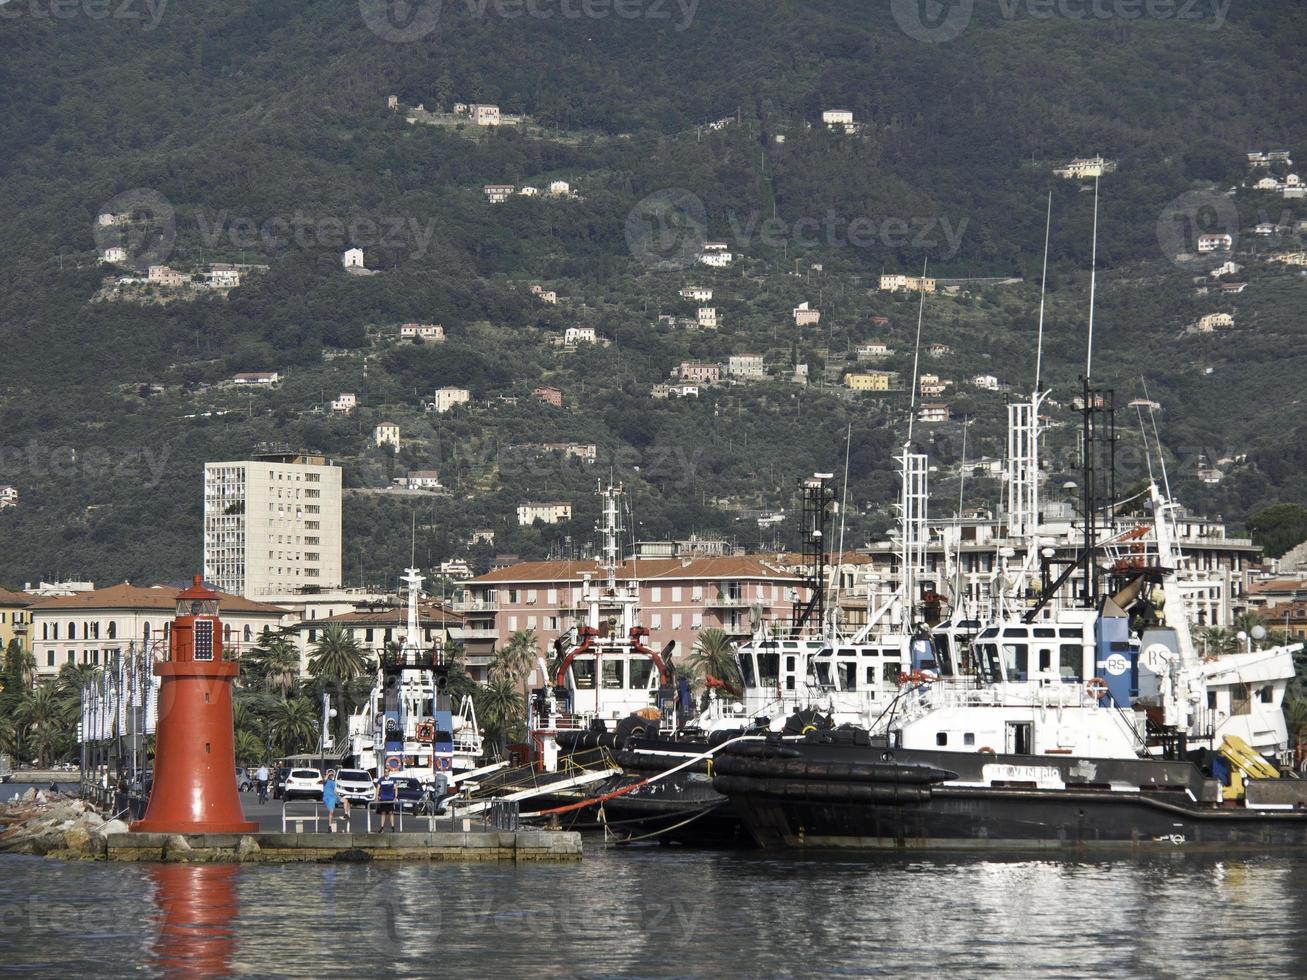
408 792
355 785
244 781
303 784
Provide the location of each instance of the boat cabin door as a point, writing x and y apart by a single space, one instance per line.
1018 741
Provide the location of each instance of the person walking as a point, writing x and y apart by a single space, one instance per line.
386 800
330 799
261 777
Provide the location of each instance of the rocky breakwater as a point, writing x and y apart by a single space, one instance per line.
56 826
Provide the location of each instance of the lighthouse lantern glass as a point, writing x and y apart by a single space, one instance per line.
197 607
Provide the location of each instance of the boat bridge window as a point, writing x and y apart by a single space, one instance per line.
989 633
987 662
824 675
1017 632
1045 658
1267 694
848 677
1069 665
789 673
871 675
969 738
583 672
640 671
747 673
889 674
1016 659
612 674
769 669
1043 632
941 738
1072 633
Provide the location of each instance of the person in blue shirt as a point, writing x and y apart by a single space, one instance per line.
386 800
329 799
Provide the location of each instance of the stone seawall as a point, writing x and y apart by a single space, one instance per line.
265 848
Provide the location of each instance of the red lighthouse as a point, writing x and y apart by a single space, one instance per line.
195 754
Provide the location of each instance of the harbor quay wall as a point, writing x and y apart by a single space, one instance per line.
272 848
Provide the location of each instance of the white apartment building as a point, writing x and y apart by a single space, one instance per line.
579 335
700 294
708 317
386 434
547 512
805 315
498 193
272 524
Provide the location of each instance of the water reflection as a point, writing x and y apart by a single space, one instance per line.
196 904
665 912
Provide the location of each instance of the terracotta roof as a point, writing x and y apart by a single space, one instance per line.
790 558
429 614
1279 585
733 566
127 596
8 598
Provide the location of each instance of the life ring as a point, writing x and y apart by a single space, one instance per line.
392 763
426 731
986 750
1096 688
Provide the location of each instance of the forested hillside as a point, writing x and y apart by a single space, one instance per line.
259 132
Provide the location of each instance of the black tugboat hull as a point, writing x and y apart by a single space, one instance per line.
815 800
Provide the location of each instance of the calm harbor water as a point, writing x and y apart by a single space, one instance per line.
663 912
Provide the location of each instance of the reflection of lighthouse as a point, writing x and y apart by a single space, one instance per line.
197 903
195 756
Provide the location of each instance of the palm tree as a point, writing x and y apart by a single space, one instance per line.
250 749
47 716
293 725
336 656
515 660
713 657
500 709
274 664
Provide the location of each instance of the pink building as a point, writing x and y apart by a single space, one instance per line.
550 396
678 598
698 371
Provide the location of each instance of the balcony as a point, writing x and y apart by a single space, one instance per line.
475 605
479 633
724 600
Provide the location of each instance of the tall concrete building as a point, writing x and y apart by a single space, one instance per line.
272 524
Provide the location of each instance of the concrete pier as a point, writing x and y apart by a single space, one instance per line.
272 848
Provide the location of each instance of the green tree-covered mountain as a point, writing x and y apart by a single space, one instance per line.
265 129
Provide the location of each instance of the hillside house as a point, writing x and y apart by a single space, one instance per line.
8 496
549 395
932 413
1215 243
444 399
114 255
482 114
1080 169
421 480
427 333
699 294
256 378
868 380
580 335
345 402
746 367
352 258
939 350
1213 322
700 371
872 350
839 120
497 193
547 512
560 188
707 317
529 191
386 434
985 382
716 258
805 316
163 275
894 283
1265 229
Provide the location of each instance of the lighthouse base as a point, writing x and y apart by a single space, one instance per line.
148 826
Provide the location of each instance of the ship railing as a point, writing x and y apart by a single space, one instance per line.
953 692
